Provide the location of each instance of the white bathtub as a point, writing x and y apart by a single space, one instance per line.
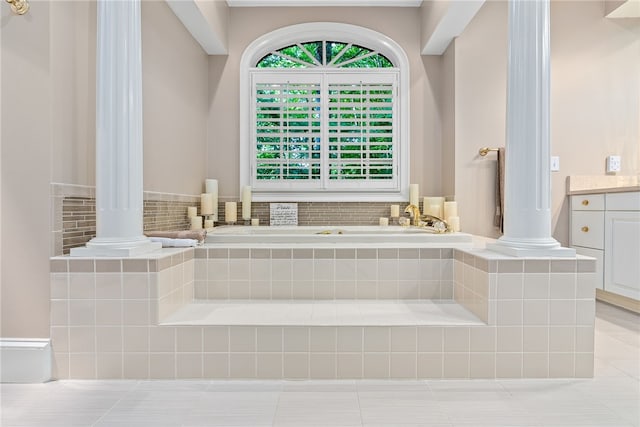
366 235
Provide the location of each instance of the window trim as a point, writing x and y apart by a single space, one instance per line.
312 32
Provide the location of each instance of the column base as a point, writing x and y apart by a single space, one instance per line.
531 248
116 248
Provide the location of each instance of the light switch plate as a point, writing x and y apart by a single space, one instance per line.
613 164
555 163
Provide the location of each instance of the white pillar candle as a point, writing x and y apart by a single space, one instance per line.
211 187
196 222
454 223
433 210
206 204
383 221
192 211
246 202
208 223
438 201
450 209
255 222
395 211
231 212
414 189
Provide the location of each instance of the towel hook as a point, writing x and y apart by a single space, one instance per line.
19 7
485 150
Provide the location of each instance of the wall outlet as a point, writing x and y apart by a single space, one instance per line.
613 164
555 163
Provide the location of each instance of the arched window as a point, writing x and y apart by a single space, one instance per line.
324 53
324 119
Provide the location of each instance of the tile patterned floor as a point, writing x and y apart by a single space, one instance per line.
611 398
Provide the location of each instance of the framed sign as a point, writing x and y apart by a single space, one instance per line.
283 214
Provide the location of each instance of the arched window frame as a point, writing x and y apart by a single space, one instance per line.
343 33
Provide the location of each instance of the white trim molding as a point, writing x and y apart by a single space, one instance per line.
343 33
455 20
25 360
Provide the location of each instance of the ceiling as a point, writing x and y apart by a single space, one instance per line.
204 18
442 20
331 3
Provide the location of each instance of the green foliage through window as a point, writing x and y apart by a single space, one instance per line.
324 54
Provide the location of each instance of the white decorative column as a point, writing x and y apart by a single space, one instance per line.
119 204
527 221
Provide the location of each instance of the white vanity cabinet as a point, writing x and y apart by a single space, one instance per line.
607 227
622 244
587 230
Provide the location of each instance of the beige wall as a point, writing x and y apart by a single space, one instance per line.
73 76
174 75
479 114
48 132
447 117
247 24
595 96
26 169
175 94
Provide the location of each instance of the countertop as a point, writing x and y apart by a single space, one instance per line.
594 184
605 190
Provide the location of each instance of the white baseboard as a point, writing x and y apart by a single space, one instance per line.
24 360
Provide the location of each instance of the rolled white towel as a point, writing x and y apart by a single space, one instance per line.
174 243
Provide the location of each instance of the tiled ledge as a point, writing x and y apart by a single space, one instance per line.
498 288
152 263
493 262
59 189
323 253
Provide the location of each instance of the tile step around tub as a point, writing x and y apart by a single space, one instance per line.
322 313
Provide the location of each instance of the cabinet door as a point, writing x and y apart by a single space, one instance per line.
622 253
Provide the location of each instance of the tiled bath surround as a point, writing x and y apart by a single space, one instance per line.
105 311
539 323
323 273
73 214
327 213
539 311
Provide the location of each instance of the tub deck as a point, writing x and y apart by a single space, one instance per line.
323 313
335 235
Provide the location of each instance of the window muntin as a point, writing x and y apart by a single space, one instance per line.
324 54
